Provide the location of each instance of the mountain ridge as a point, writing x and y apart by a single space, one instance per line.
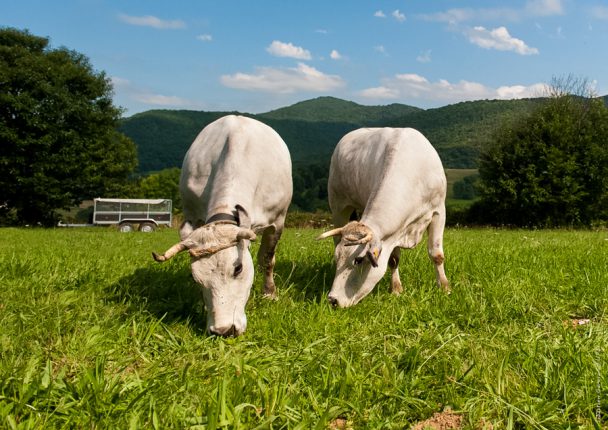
312 128
318 110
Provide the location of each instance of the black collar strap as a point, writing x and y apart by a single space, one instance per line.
220 217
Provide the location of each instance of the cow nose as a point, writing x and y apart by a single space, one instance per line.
225 332
333 301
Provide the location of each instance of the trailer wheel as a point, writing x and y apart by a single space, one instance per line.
126 227
147 227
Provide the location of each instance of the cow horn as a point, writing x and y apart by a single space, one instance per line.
334 232
175 249
351 240
205 252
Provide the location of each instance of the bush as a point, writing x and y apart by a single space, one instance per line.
161 185
466 188
550 169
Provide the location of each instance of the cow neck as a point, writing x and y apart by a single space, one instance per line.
223 218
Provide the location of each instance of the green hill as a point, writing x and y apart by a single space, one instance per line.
163 136
312 128
331 109
460 130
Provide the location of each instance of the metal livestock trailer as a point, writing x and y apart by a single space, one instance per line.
147 214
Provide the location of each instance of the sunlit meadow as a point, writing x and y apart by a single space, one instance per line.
95 334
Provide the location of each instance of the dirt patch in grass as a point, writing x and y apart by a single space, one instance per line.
446 420
576 322
339 424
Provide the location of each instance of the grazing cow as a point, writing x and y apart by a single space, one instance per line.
235 183
394 178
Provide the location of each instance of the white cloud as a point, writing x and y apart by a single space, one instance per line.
284 80
128 90
499 39
544 7
380 93
380 49
321 31
118 82
425 57
205 37
521 91
379 14
281 49
600 12
412 78
152 21
335 55
398 15
410 86
456 16
161 100
532 8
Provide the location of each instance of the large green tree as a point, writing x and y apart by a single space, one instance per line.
58 131
163 184
550 169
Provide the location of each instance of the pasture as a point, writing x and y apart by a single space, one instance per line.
95 334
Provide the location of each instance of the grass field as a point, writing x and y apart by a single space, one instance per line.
94 334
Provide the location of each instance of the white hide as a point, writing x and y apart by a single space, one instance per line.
394 179
234 161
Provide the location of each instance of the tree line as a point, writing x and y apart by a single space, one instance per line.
61 144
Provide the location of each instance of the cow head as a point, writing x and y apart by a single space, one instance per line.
222 265
360 263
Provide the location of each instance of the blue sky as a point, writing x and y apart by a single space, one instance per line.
258 55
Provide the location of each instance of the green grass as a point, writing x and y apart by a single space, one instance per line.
94 334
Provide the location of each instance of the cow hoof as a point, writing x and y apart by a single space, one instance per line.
159 258
271 296
396 289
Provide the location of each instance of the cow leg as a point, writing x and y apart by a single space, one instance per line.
266 259
393 263
435 248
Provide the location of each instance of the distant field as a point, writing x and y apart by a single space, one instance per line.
455 175
94 334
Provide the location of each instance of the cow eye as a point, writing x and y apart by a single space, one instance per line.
238 269
358 260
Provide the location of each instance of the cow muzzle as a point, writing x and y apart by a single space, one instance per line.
224 331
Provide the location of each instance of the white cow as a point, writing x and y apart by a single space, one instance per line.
394 178
235 183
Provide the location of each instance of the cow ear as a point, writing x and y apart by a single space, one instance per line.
185 230
373 253
243 217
